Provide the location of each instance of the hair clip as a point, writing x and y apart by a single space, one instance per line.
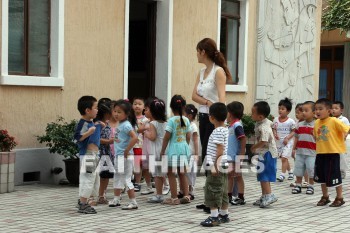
178 101
192 110
127 100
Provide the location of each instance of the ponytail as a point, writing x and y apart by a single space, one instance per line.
219 60
177 104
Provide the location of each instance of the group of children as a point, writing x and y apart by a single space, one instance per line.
135 139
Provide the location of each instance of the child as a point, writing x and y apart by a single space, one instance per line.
138 106
283 130
337 111
329 133
177 134
87 135
155 111
125 140
191 113
267 151
217 160
236 147
306 149
104 115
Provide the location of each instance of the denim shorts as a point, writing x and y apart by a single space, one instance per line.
267 168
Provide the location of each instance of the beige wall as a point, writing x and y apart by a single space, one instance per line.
93 59
333 38
192 21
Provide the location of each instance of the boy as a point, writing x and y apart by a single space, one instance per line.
306 148
329 134
87 136
236 147
283 130
337 111
267 151
216 160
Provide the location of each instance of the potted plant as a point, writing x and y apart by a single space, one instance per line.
7 161
336 15
58 138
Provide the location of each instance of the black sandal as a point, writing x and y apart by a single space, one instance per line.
310 190
211 222
296 190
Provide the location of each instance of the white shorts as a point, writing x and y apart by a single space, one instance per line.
89 183
124 169
343 165
285 151
304 163
192 172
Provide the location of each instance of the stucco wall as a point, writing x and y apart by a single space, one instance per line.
93 65
333 38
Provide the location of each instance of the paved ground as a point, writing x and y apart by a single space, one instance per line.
42 208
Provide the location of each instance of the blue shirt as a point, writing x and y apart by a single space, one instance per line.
122 139
235 132
82 127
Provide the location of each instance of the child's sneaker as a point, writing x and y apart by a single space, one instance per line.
258 202
281 178
224 218
137 187
86 209
156 199
266 201
166 190
114 203
238 201
147 191
273 198
290 176
211 222
130 206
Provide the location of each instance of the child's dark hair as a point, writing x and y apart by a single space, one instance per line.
325 102
157 108
85 102
149 100
218 111
311 103
299 106
177 105
262 108
104 107
138 98
126 106
236 109
190 109
286 103
341 104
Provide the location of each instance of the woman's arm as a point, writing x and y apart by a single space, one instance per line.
195 97
220 79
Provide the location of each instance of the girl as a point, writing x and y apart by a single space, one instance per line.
125 140
104 115
177 134
138 106
153 138
191 113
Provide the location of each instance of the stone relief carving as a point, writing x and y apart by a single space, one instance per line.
286 37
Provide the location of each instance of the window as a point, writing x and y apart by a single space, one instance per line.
32 42
29 37
229 35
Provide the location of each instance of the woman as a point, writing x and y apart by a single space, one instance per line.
210 86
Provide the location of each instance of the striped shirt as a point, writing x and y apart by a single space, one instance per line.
306 144
218 137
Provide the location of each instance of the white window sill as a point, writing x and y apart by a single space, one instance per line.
236 88
16 80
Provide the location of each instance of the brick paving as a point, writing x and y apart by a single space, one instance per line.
43 208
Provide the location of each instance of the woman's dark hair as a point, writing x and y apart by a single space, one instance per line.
104 107
126 106
286 103
177 105
157 108
236 109
210 48
190 109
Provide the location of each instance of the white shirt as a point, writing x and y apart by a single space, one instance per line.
218 137
194 129
207 88
283 130
344 119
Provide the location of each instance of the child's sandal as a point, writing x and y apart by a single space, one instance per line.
337 202
296 190
324 201
102 200
310 190
185 200
171 201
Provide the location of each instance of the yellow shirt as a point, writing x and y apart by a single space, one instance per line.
329 134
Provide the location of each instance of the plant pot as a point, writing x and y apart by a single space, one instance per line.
7 171
72 170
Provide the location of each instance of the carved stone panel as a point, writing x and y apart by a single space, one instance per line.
286 41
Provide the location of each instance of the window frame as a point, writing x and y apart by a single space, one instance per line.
241 86
56 76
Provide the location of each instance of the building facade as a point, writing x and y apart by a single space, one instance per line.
54 51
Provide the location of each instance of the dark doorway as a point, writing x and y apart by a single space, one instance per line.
142 48
331 73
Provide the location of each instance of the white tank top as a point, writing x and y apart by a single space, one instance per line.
207 89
